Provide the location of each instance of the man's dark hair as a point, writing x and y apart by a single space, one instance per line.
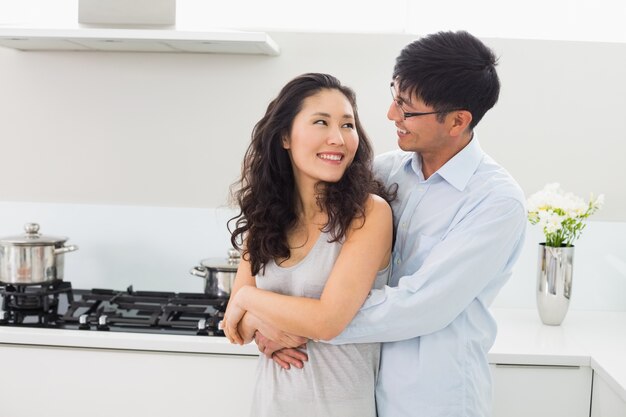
448 71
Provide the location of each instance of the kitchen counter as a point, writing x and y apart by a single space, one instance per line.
586 338
123 341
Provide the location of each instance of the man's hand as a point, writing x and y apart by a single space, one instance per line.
285 340
284 357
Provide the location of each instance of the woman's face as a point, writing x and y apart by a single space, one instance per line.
323 138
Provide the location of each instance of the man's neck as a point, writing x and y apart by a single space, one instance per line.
431 162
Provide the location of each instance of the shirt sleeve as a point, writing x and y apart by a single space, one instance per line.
479 250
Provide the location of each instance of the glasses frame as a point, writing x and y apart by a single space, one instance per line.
407 114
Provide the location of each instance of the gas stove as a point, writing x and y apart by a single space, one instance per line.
58 305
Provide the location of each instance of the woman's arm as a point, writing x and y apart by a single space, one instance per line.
367 249
245 279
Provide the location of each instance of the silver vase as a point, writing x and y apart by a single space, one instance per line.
554 282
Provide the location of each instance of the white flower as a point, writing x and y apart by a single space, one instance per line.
560 214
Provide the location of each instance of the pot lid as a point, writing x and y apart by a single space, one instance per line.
32 237
229 264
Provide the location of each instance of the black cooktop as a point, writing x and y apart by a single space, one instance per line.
58 305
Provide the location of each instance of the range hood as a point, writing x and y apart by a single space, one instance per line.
134 26
137 40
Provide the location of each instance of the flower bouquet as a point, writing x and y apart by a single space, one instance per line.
560 214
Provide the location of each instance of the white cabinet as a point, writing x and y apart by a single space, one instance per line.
54 381
604 401
541 391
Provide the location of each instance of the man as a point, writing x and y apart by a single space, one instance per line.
460 221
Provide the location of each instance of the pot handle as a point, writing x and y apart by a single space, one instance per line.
199 271
65 249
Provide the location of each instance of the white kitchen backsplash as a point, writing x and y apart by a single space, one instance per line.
153 248
150 248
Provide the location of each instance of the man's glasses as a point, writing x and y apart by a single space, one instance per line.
398 102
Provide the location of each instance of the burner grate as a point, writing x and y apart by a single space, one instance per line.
33 304
108 309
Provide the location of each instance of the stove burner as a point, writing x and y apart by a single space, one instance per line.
106 309
33 303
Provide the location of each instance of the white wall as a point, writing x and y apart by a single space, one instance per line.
147 137
171 129
159 129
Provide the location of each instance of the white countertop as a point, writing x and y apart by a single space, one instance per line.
523 339
586 338
123 340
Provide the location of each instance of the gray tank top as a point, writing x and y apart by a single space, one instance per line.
337 380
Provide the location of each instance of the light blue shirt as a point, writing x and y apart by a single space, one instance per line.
458 234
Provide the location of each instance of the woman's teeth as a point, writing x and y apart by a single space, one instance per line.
330 157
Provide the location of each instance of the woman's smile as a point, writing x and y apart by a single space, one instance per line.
332 157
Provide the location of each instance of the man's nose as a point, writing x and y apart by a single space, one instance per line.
394 113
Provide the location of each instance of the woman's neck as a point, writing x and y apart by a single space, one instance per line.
307 207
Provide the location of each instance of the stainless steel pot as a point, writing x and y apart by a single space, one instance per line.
32 258
218 273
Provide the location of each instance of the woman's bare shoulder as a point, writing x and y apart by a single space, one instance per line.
377 205
377 214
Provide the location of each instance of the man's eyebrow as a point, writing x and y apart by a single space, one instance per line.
404 99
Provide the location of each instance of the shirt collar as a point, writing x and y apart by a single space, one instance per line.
458 170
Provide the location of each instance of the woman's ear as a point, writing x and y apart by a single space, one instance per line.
286 144
461 120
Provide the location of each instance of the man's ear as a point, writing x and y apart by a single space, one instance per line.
461 120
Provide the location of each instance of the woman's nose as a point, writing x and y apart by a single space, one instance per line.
335 137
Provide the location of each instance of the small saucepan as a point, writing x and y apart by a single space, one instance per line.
32 258
218 273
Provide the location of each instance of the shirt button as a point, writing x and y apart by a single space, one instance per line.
398 261
420 188
404 225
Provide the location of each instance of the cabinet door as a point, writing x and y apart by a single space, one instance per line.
604 401
541 391
77 382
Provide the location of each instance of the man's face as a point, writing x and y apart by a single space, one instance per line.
422 133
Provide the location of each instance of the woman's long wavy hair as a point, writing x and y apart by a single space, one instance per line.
266 193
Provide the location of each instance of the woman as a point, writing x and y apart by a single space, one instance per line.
316 237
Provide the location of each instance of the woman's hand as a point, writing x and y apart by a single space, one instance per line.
232 317
230 324
247 327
